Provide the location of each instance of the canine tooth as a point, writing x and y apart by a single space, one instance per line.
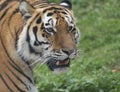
57 63
67 62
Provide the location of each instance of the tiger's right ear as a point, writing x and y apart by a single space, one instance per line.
26 9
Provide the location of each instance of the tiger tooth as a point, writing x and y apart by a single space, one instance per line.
57 63
67 62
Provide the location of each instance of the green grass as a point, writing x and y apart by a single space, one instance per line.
97 69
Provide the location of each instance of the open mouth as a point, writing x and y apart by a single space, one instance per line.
55 64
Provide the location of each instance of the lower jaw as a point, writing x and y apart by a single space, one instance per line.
61 70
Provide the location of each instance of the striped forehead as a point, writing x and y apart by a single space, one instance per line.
49 6
52 7
50 13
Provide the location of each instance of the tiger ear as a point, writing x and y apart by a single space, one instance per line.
26 9
66 3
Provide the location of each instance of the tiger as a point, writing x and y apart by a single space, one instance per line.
33 32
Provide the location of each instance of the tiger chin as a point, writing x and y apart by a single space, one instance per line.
33 32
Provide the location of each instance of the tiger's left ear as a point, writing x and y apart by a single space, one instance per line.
26 9
66 3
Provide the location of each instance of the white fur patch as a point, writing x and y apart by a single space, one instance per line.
31 87
52 22
64 4
23 47
61 70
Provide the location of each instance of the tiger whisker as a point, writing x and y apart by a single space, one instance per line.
42 59
79 53
58 54
35 62
45 60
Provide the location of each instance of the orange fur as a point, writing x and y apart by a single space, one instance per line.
10 27
15 74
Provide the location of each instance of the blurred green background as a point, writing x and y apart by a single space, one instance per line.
97 68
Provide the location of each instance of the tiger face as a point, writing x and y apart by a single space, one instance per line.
49 34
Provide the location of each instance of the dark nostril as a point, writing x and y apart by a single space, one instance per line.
67 51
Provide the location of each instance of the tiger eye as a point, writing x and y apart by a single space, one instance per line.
44 35
50 14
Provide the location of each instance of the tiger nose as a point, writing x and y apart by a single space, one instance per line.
68 51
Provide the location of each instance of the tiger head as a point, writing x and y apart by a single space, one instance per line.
49 34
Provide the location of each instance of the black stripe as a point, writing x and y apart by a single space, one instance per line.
17 36
43 5
5 11
17 77
39 20
2 16
64 13
50 14
28 40
15 65
2 23
35 29
52 9
8 20
3 5
43 43
21 72
6 83
3 42
14 12
33 51
28 37
30 47
14 83
42 26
